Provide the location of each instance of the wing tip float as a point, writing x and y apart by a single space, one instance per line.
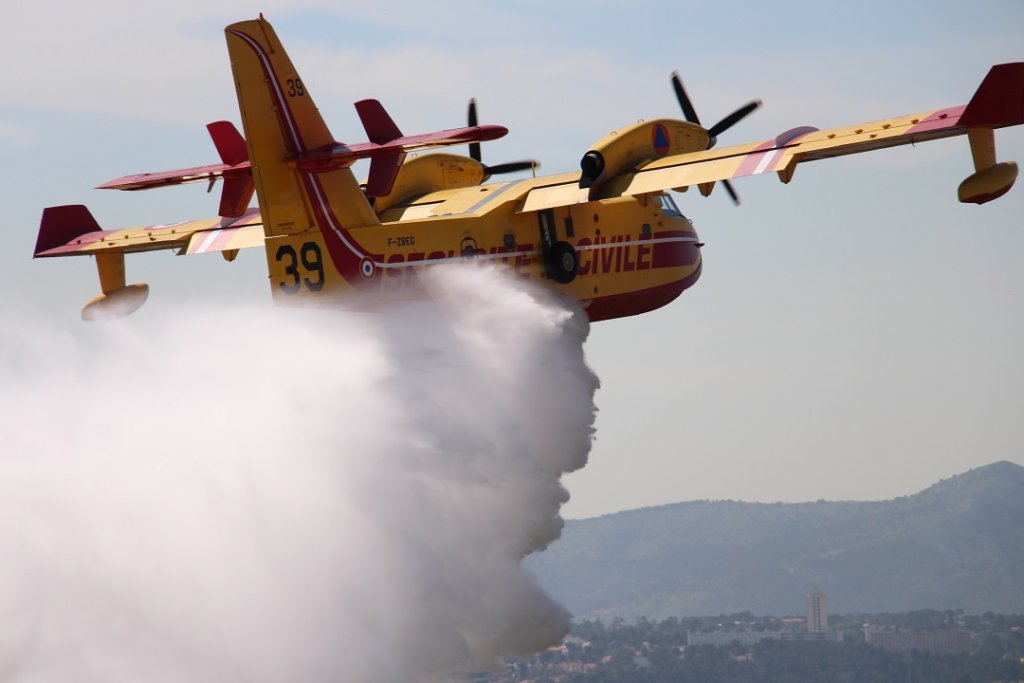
998 102
65 226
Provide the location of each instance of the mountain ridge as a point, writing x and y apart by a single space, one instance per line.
956 544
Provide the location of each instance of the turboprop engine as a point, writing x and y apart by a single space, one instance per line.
626 148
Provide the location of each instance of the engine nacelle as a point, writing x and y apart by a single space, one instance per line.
988 184
431 173
627 148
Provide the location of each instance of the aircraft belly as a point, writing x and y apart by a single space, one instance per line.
640 301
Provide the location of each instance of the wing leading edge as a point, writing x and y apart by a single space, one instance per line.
998 102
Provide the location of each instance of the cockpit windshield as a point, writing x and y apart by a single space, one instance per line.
668 207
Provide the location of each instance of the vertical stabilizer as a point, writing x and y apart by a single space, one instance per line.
282 122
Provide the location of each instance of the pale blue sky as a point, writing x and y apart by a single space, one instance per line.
856 334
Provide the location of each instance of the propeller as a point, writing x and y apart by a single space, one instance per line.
474 152
690 114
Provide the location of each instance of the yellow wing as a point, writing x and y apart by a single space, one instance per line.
998 102
72 231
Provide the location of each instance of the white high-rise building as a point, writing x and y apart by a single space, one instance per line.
817 612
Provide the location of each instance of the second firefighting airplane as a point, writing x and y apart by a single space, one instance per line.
608 235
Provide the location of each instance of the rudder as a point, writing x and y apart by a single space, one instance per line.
281 122
302 208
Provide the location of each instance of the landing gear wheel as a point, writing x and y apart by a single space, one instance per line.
562 263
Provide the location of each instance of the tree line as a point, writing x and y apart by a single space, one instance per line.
656 652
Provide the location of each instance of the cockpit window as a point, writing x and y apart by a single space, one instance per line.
668 207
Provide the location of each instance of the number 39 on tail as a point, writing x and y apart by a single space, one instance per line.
608 235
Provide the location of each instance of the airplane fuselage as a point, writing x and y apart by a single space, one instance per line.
632 255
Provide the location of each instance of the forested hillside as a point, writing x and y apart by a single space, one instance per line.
956 545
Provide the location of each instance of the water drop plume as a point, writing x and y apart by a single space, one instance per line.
289 495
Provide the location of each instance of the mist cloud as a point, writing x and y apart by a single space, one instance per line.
289 495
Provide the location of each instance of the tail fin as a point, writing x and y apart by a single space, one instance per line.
379 125
381 129
238 187
229 142
281 123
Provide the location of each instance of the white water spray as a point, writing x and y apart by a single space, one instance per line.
282 495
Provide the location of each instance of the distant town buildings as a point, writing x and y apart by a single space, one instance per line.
748 638
816 623
817 612
723 638
949 642
651 650
814 636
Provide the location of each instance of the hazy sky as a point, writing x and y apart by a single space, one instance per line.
856 334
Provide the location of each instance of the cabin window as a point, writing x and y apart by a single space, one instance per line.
668 207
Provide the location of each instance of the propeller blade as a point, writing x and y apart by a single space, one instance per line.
474 147
733 118
689 113
510 167
474 152
714 131
732 193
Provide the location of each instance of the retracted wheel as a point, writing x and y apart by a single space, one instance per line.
562 262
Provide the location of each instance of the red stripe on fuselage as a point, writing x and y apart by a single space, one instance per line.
344 251
635 303
674 254
288 119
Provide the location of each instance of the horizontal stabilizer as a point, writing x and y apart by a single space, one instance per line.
234 157
61 224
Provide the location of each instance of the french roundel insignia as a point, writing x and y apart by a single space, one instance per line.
659 139
366 268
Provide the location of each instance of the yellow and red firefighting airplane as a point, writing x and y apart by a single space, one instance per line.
609 235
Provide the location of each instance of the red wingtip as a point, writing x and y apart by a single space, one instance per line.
492 132
999 100
61 224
